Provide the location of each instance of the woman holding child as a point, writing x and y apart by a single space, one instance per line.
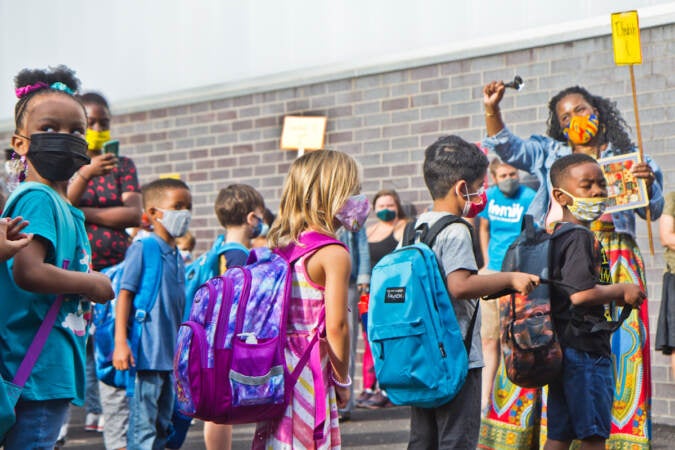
580 122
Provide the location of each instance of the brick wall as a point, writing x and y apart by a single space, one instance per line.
386 120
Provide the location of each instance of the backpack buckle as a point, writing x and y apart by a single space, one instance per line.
140 315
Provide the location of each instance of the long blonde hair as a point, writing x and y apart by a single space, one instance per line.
317 186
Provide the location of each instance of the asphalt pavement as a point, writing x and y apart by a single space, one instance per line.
380 429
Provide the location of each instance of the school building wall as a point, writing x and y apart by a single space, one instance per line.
385 121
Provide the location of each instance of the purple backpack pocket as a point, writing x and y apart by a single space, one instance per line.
229 362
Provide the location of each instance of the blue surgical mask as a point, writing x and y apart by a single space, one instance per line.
260 229
176 221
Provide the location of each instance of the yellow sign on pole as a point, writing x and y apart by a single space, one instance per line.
626 38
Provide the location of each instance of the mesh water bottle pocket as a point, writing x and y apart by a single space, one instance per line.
188 365
257 373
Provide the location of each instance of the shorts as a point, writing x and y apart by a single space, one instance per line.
455 425
115 406
489 315
580 401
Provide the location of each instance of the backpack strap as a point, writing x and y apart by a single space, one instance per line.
308 242
144 300
410 233
39 341
529 227
430 236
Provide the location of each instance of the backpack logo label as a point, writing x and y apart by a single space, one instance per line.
395 295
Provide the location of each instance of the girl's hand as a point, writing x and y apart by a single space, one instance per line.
492 95
11 238
342 395
644 171
122 356
100 165
100 290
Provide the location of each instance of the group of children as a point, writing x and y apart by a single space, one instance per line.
50 125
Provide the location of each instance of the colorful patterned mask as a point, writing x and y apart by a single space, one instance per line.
582 129
586 209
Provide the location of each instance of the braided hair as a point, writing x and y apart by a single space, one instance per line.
612 125
30 77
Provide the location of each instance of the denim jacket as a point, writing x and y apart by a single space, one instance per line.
537 154
357 243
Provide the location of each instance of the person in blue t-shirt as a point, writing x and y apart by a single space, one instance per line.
168 203
500 222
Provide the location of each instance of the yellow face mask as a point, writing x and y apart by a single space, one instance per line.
96 139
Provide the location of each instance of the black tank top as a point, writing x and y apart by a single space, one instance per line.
381 248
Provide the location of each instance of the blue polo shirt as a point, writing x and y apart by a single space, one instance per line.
160 328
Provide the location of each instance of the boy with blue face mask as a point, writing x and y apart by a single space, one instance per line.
580 400
240 210
167 203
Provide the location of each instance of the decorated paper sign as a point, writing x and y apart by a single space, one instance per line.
624 191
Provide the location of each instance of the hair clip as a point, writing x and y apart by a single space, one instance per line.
59 86
25 90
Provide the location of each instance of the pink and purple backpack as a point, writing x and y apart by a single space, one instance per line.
229 364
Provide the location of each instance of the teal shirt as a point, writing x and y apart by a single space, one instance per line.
59 372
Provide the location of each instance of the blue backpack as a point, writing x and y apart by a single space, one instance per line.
204 268
104 316
420 356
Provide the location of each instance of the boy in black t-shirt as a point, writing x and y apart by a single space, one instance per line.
580 401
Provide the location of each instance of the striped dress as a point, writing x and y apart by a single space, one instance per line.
295 430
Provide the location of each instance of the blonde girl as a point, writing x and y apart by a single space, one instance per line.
319 195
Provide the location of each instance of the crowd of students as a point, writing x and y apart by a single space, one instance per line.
69 215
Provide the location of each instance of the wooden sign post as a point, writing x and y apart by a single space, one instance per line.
628 52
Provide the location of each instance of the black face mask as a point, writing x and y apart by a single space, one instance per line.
57 156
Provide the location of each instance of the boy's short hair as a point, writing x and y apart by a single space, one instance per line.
154 190
235 202
449 160
561 166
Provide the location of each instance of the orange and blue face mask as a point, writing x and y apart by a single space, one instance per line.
582 129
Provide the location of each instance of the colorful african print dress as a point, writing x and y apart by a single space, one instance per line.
295 430
631 411
512 421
